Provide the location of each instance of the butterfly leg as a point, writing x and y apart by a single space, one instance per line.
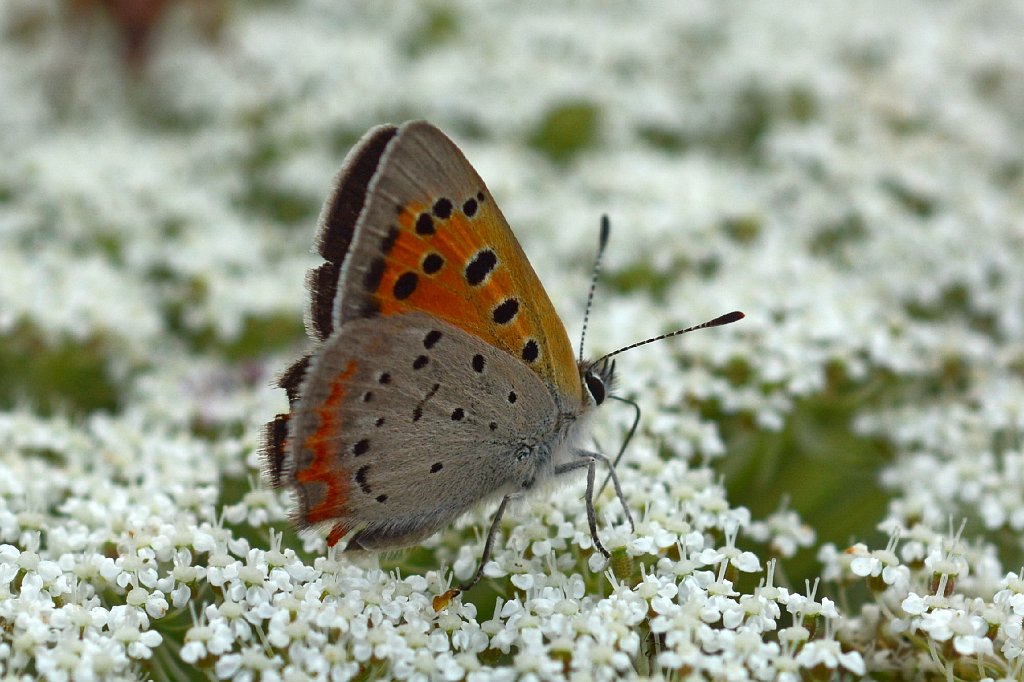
488 545
615 482
590 459
591 464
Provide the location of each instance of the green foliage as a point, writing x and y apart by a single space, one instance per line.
52 376
440 26
567 130
815 465
261 336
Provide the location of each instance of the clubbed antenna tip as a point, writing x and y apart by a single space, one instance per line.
717 322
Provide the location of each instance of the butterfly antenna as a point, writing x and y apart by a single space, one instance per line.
728 318
602 242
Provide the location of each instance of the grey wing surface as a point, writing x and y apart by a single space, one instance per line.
432 422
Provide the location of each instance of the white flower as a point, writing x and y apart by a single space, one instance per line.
138 644
200 640
914 604
784 530
829 653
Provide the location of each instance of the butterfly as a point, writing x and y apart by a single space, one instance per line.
440 376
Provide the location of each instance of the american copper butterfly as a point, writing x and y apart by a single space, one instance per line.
440 376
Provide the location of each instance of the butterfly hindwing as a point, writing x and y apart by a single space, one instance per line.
429 238
380 397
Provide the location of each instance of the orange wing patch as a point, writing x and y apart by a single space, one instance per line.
435 268
323 445
431 239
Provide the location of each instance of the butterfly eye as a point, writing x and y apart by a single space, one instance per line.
595 386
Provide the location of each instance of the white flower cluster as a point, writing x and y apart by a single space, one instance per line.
928 609
970 451
854 186
58 625
113 579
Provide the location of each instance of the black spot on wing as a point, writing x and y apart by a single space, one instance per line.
531 351
417 412
505 311
389 240
425 225
361 479
432 263
405 285
443 208
374 274
432 337
480 266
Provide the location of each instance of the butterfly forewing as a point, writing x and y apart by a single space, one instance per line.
430 238
381 398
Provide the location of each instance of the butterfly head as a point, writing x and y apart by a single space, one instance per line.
598 379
